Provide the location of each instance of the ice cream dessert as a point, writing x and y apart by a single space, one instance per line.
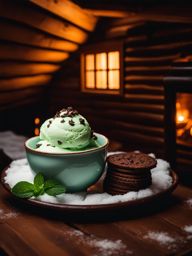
66 131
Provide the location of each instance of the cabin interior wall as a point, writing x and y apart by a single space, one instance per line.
136 120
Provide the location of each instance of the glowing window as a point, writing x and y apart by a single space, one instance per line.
101 71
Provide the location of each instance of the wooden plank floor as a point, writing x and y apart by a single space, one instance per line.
25 231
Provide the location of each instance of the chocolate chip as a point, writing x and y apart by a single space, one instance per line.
71 122
62 121
70 114
59 142
38 145
75 112
48 145
82 121
50 121
48 125
94 137
69 108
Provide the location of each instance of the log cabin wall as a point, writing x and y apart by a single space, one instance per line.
137 118
35 38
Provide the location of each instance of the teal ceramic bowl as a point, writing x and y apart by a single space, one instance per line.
75 170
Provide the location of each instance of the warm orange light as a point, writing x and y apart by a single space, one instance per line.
102 70
101 78
114 79
182 116
101 61
90 79
36 131
90 63
113 60
37 120
191 131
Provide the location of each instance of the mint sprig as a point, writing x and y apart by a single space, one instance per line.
40 186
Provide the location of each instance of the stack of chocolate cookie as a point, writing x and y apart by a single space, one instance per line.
129 171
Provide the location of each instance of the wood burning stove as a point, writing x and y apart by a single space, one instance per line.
178 118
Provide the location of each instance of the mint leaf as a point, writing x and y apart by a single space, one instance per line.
50 184
38 184
55 190
23 189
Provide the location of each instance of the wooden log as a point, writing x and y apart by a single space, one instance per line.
15 32
138 40
158 50
18 52
111 124
125 116
145 89
141 98
166 46
23 102
19 95
150 60
145 70
144 79
171 31
69 11
178 80
118 31
161 11
59 97
24 13
138 139
8 85
16 69
107 13
157 29
181 70
155 14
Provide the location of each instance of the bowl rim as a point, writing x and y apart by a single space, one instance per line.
27 148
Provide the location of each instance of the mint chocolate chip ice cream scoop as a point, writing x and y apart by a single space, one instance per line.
67 130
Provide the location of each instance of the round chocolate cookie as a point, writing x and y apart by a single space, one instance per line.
129 171
131 161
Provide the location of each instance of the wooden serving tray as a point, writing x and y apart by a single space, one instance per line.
99 208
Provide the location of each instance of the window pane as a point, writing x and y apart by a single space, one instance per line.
101 61
90 79
113 60
113 78
89 60
101 78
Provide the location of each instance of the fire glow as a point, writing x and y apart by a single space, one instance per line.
183 123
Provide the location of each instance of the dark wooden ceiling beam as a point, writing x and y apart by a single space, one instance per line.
69 11
24 82
15 32
159 10
18 52
16 69
39 19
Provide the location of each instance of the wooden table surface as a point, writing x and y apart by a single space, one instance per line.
28 231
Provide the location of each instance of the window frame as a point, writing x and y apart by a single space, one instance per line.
102 47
